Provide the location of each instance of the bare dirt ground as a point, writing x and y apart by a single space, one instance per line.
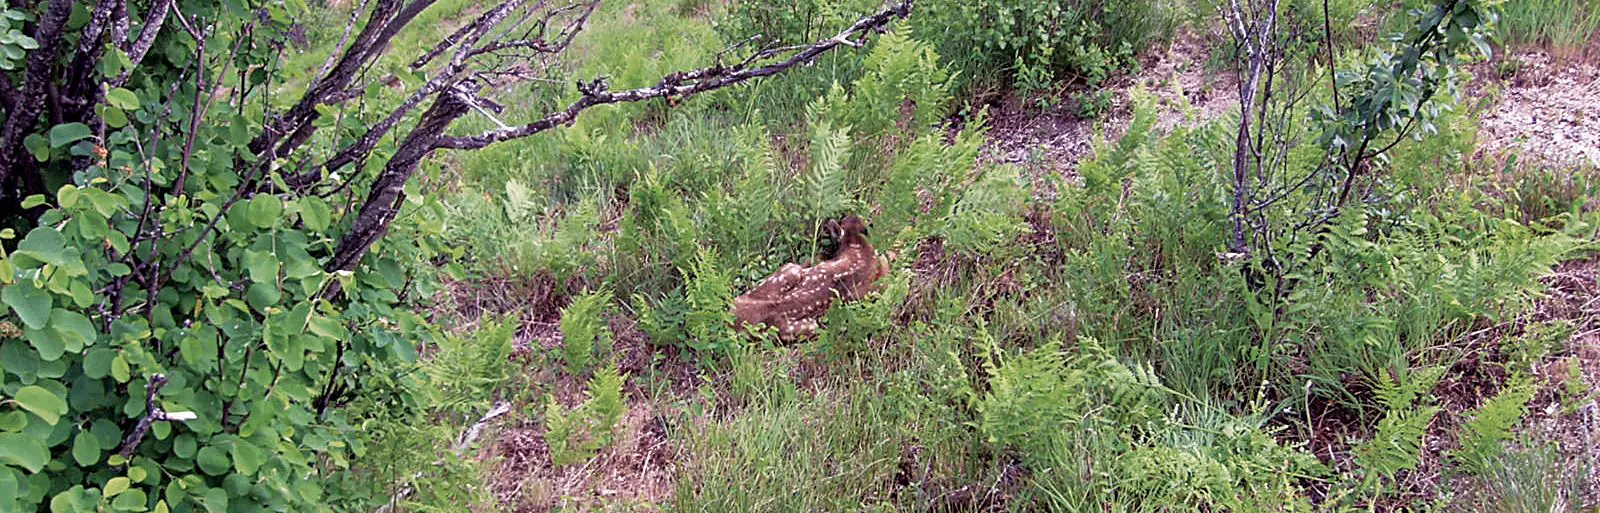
1055 138
1547 109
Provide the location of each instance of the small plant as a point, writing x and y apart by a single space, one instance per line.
1397 443
708 322
577 434
1485 432
1035 80
584 333
1508 67
1093 104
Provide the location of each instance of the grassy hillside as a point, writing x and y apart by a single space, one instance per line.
1045 341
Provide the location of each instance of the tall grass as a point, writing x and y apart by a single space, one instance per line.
1564 26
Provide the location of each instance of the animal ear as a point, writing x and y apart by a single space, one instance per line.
833 229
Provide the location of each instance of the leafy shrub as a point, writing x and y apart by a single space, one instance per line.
1081 40
226 318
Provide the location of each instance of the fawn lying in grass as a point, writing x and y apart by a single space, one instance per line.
793 298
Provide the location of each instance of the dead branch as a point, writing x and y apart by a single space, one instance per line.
152 413
684 83
451 102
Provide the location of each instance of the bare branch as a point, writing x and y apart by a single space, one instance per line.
153 413
383 203
684 83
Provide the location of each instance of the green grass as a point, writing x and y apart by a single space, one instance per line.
1563 26
1106 362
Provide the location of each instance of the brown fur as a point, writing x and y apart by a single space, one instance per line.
793 298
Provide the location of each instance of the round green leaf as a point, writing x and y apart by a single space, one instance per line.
264 210
315 213
247 458
67 195
212 460
183 446
122 99
120 370
116 486
132 500
74 500
86 449
41 402
38 146
262 295
97 363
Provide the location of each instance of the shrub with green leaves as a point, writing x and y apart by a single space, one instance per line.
177 346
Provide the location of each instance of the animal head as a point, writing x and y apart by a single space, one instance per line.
852 225
849 226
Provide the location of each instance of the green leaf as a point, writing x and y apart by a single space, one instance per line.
86 449
216 500
137 474
23 451
264 210
75 500
315 213
116 486
38 146
122 99
13 421
97 363
239 131
74 328
64 134
41 402
67 195
115 117
262 295
133 500
31 304
120 370
44 244
262 266
184 446
247 458
33 200
212 460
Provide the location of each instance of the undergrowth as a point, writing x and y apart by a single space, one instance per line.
1086 350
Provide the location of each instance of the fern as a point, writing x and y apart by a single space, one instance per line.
827 196
561 434
1482 436
1396 444
469 370
708 323
576 435
584 333
988 213
604 406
